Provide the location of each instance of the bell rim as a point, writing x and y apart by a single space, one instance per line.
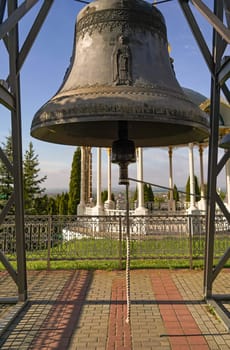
121 103
61 133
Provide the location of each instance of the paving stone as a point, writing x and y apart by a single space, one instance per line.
78 310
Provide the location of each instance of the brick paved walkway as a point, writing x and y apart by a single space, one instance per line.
79 310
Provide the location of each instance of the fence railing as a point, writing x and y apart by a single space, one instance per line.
104 237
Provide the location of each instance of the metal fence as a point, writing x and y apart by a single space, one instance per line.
104 237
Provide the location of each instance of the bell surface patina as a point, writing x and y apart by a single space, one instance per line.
120 71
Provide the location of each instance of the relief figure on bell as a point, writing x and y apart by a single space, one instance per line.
122 62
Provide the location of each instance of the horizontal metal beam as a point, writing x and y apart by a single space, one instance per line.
8 300
14 18
213 19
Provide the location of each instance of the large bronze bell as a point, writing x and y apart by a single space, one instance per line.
120 71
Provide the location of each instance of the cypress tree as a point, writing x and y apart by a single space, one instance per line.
104 196
135 195
197 189
52 206
75 183
41 205
175 194
146 193
187 190
150 194
63 204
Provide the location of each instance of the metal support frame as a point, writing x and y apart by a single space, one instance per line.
213 154
219 67
10 99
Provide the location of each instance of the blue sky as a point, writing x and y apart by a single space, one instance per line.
44 70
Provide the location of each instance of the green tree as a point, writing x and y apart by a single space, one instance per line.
52 206
197 189
146 193
135 195
63 204
6 178
41 205
32 181
176 196
150 194
104 196
57 202
75 183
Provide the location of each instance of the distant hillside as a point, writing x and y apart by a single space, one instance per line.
55 191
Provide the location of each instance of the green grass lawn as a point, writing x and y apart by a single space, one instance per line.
167 252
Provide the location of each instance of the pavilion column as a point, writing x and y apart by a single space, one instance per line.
140 210
98 209
81 206
202 192
227 169
109 203
192 208
88 161
171 202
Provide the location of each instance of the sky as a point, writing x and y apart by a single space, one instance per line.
43 72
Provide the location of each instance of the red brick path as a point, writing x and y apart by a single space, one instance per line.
119 335
182 330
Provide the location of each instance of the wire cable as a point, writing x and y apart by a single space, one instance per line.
163 187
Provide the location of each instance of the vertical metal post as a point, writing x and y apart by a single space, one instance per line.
213 153
17 158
